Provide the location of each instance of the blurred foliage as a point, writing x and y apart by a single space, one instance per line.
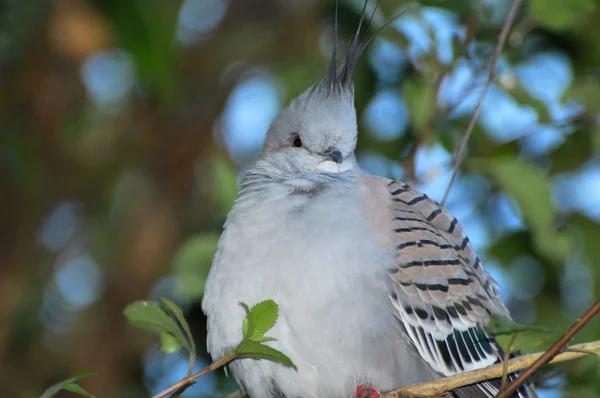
117 170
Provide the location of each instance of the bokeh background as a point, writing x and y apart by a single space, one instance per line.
125 126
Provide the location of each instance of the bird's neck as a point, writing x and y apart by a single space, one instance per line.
268 185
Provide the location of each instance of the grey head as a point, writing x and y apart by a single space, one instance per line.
317 132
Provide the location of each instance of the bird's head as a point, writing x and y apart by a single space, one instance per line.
317 132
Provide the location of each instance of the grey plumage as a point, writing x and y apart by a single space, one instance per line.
376 283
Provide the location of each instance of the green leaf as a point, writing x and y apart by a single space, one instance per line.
248 324
509 247
76 388
192 262
503 326
168 343
577 149
263 339
523 97
256 350
532 192
418 95
588 236
144 28
181 319
224 182
561 14
462 7
186 328
150 316
264 316
55 388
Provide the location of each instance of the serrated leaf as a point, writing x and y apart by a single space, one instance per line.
264 315
262 339
76 388
150 316
256 350
248 323
55 388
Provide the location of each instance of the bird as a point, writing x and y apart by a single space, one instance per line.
377 285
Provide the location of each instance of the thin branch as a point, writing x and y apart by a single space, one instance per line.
492 73
509 349
438 387
552 352
190 379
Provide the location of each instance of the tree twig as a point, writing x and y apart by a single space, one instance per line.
552 352
190 379
438 387
509 349
492 72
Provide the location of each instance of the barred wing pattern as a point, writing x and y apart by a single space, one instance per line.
443 295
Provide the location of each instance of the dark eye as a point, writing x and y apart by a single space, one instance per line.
296 141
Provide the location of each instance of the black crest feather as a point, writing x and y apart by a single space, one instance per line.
339 79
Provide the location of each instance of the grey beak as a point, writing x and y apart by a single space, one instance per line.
334 154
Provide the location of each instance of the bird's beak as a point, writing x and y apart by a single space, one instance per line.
334 154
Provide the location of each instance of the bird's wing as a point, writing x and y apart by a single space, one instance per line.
443 295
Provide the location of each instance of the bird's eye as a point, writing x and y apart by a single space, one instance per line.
296 141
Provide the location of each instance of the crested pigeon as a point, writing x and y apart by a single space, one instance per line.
377 284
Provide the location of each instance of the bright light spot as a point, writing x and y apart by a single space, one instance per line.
420 42
374 163
444 25
507 81
431 161
197 18
544 140
580 191
109 77
386 115
460 90
248 113
547 76
505 119
434 27
387 60
60 226
78 279
505 213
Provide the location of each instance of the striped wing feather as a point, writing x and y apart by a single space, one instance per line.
443 295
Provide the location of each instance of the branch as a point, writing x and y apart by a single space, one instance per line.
184 383
553 351
492 73
438 387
